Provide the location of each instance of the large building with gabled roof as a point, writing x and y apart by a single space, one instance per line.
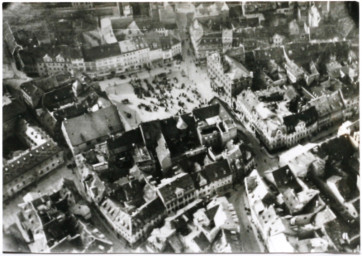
95 127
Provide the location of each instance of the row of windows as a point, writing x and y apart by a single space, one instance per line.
29 179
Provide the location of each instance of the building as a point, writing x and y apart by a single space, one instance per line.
13 109
135 53
53 60
352 131
166 13
280 231
240 159
69 101
314 17
227 242
130 210
312 73
32 154
228 76
142 170
331 109
198 228
209 35
103 59
133 225
59 222
210 10
278 40
176 192
214 178
164 239
33 90
46 59
97 126
218 215
214 127
296 194
295 73
99 9
276 130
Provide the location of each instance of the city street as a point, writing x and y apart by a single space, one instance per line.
248 234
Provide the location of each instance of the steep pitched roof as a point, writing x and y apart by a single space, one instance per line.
126 139
206 112
181 181
101 52
216 171
202 241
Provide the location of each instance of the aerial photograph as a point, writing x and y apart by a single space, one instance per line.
180 127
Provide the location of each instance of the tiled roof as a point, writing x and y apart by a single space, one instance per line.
12 108
31 89
51 99
206 112
101 52
202 241
328 104
46 84
216 171
183 181
126 139
308 116
93 125
237 70
29 159
285 178
167 42
67 52
121 23
153 40
151 132
210 213
147 212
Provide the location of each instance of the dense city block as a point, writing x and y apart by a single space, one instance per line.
181 127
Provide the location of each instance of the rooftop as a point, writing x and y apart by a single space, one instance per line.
216 171
101 52
103 122
167 188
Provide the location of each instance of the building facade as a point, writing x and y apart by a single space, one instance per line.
228 76
42 156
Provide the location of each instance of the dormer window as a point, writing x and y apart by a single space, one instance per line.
179 192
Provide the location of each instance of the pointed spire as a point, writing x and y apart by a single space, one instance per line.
181 124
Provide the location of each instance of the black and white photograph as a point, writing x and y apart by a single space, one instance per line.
180 127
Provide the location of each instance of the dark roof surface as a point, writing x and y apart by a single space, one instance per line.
148 212
101 52
216 171
168 191
202 241
126 139
206 112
